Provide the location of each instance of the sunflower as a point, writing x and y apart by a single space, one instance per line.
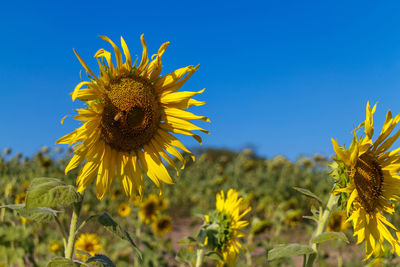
162 225
55 247
337 222
124 209
20 198
89 243
149 209
127 124
227 216
374 183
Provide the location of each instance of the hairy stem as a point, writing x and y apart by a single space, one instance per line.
200 256
322 223
72 229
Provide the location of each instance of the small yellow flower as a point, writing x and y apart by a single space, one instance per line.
337 222
24 220
25 185
149 209
162 225
228 217
116 193
89 243
55 247
124 209
20 198
162 203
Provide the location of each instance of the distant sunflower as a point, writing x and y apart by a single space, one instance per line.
337 222
124 209
162 225
128 122
20 198
227 217
374 183
55 247
90 243
149 209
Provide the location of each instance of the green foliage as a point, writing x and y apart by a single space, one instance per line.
266 184
327 236
50 192
38 214
184 255
102 259
308 193
290 250
112 226
61 262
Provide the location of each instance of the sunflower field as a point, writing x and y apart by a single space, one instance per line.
127 192
163 227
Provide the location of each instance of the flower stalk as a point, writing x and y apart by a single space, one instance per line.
322 223
72 229
200 256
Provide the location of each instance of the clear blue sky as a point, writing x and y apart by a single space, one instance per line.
284 76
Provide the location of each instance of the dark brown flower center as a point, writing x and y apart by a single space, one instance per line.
131 113
368 179
89 247
150 209
163 224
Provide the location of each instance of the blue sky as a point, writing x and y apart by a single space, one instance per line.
282 76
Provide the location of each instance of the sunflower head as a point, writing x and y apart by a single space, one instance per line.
127 124
90 243
55 247
162 225
149 209
124 209
20 198
367 175
224 224
337 222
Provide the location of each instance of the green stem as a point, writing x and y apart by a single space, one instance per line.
250 241
200 256
322 223
72 229
62 231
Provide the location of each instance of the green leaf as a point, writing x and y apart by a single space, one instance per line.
103 259
108 222
50 192
308 193
290 250
61 262
188 241
185 255
214 255
38 214
329 236
311 218
78 251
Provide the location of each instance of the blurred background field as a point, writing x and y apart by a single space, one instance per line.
266 184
